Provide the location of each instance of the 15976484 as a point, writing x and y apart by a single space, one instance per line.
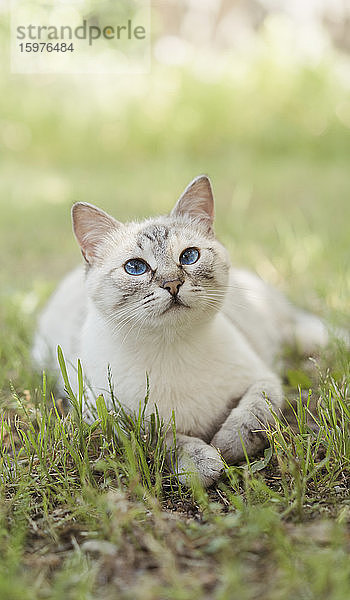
46 47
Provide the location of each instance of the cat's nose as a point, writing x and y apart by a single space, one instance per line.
172 286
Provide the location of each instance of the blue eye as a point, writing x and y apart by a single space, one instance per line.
189 256
136 266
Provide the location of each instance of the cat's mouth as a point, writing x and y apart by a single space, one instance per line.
175 304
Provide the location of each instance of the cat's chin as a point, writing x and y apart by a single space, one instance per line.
173 315
179 317
176 306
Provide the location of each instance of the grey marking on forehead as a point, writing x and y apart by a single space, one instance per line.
156 234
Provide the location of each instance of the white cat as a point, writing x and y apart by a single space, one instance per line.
160 298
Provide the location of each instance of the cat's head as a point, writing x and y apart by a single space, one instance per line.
163 273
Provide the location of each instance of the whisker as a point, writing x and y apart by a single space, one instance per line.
136 321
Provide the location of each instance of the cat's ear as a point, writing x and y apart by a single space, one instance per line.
197 201
91 226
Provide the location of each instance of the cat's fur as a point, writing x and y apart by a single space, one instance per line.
211 359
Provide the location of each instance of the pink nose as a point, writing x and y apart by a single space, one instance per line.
172 286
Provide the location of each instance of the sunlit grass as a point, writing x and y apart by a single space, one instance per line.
107 484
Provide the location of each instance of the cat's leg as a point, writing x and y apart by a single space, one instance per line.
246 422
194 458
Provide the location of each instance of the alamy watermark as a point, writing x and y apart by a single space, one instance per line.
80 37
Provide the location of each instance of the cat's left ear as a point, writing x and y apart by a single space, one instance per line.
197 201
91 226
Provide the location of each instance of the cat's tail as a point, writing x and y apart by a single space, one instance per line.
310 334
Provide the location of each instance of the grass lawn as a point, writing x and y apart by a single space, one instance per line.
85 514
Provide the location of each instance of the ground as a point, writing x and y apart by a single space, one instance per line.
85 514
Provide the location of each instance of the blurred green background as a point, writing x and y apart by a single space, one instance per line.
260 102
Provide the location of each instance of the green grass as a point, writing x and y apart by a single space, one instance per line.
93 511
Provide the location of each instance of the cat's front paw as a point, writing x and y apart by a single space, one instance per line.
240 436
199 461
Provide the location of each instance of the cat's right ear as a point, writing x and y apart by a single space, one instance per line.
91 226
197 201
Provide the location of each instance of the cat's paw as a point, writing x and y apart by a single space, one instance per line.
237 432
199 461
